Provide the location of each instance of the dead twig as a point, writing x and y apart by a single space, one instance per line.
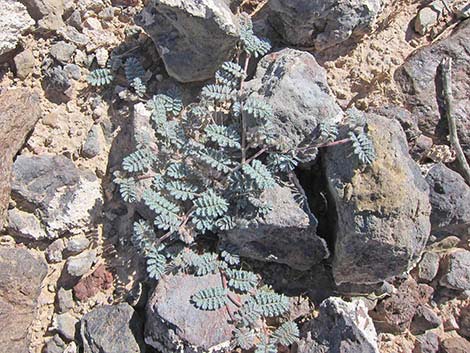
446 70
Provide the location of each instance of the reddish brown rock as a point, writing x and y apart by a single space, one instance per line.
455 345
89 286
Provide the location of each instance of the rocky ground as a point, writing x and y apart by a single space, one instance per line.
385 267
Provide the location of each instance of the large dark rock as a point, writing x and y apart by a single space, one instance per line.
21 276
340 327
19 112
111 329
382 209
450 202
455 345
417 78
193 37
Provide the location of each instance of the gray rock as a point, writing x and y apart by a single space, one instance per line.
417 78
55 250
383 210
427 343
79 265
424 319
73 71
111 329
65 324
24 224
62 51
55 345
450 202
24 63
48 13
64 300
75 20
77 244
297 89
19 112
14 21
66 199
21 276
425 20
340 327
93 144
286 235
193 37
322 24
428 266
174 322
456 270
73 35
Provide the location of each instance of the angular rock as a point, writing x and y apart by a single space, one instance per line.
24 64
383 210
455 345
62 51
427 343
14 21
55 345
173 321
64 300
21 276
428 266
79 265
293 83
66 199
77 244
48 13
65 324
464 321
425 20
87 287
417 78
111 329
322 24
456 270
193 37
340 327
55 250
424 319
94 142
19 112
450 201
25 225
285 235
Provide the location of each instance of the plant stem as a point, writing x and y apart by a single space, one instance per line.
248 161
243 117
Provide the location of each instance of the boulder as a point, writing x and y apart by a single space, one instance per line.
382 209
285 235
173 322
424 319
21 276
48 13
193 37
450 202
456 270
24 63
427 343
341 327
66 199
417 80
19 112
455 345
322 24
111 329
428 266
25 225
14 21
293 83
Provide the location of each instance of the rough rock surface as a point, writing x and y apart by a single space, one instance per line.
19 112
424 319
417 80
427 343
455 345
296 87
340 327
174 322
193 37
111 329
25 225
456 270
87 287
450 201
285 235
322 24
428 266
65 198
21 276
383 209
48 13
14 21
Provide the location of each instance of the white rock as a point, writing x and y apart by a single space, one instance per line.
14 21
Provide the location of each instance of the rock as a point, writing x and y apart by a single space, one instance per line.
88 287
66 199
174 322
25 225
57 85
464 321
55 345
64 300
193 37
427 343
19 113
92 23
62 51
73 35
428 266
65 324
296 87
111 329
285 235
394 314
455 345
322 24
14 21
75 20
340 327
79 265
73 71
456 270
424 319
21 276
450 201
425 20
417 78
94 142
24 64
48 13
55 250
383 210
77 244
